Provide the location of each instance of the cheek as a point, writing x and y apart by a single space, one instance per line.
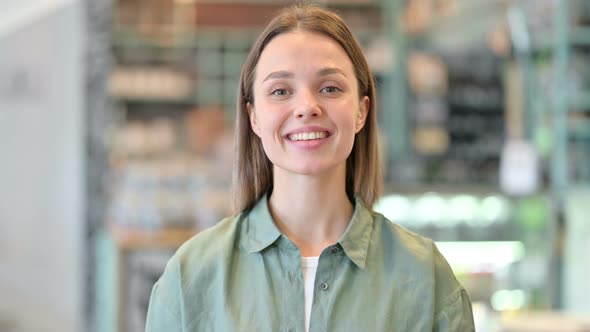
269 121
348 118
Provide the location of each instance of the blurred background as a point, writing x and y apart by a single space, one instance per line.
116 134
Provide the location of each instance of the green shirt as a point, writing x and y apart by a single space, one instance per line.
245 275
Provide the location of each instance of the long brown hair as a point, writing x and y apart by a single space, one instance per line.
253 175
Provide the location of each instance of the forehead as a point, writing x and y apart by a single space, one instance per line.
301 50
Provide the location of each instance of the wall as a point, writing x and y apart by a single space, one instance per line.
41 166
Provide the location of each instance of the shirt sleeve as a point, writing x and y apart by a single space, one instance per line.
163 313
453 310
456 314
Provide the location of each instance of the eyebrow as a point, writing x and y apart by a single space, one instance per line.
287 74
278 74
330 71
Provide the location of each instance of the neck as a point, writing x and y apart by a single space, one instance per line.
313 211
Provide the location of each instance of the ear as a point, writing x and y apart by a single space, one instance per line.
364 105
252 117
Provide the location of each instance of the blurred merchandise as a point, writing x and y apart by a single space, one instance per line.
498 39
427 74
431 111
456 117
519 169
180 191
155 19
380 55
171 174
204 128
418 16
431 140
150 83
139 139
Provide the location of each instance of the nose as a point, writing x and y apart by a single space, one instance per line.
307 105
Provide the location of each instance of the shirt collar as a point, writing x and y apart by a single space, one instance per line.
357 237
260 231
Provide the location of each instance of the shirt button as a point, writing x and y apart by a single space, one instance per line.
335 250
324 286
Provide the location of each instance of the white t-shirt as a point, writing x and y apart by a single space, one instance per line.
309 266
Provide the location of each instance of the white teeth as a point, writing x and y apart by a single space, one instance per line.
308 136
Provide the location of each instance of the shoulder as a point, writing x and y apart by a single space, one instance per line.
420 253
191 269
402 241
452 306
205 251
196 261
209 247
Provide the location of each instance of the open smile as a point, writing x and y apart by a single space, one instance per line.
308 133
307 136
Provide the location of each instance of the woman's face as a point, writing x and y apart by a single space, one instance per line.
306 107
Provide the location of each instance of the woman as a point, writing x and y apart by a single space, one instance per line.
306 253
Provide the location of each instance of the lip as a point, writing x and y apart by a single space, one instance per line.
309 145
308 129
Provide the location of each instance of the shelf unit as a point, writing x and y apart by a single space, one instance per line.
462 143
557 106
568 190
557 92
564 102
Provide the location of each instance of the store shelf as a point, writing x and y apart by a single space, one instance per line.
151 44
447 31
192 100
127 238
201 37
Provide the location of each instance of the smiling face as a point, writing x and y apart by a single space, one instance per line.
307 107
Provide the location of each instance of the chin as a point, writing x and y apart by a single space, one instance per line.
310 169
